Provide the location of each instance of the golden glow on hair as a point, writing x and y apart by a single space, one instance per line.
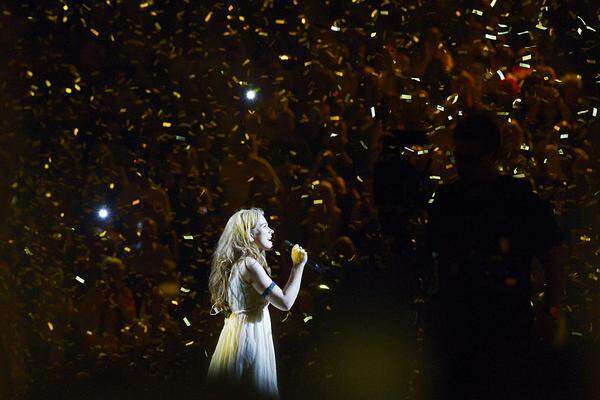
234 243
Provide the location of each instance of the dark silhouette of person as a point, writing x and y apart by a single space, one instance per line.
484 230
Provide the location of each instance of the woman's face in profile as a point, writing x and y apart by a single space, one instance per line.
262 234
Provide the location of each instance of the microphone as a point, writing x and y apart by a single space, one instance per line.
310 263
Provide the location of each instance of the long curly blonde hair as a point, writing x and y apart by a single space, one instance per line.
233 244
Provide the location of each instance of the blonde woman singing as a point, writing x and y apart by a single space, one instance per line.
241 286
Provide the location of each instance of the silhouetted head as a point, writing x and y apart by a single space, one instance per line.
476 145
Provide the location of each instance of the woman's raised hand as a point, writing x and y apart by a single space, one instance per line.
299 255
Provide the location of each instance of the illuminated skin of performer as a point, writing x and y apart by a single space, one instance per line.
240 284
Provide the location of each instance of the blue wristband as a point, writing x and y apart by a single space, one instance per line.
267 290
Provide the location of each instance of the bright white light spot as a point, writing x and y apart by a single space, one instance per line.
103 213
251 94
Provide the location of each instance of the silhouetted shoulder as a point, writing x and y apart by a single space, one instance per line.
516 184
535 214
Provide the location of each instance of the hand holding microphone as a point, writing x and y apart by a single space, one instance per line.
300 256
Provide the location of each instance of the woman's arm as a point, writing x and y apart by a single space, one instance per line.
284 298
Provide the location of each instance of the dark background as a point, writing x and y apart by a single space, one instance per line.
123 92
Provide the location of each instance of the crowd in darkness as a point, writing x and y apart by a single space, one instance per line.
142 108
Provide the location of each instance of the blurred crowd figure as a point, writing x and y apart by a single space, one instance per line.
355 181
484 231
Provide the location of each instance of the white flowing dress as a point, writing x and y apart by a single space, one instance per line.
245 348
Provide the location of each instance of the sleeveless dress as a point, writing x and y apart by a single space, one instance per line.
245 348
